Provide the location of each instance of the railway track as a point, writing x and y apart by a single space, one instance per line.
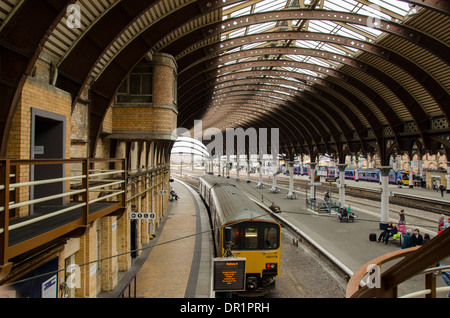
362 197
319 262
404 200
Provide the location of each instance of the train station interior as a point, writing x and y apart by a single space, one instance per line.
96 93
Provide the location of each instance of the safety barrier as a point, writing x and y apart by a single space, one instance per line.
93 188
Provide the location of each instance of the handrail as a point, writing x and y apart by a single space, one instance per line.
46 181
46 216
415 261
90 174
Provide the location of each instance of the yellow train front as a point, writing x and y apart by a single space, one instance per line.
255 236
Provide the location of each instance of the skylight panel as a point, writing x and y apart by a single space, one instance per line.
252 45
350 34
306 44
261 28
398 7
372 11
332 49
372 31
321 26
237 33
298 58
340 5
316 61
270 5
241 12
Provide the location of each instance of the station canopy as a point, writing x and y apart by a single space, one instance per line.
335 76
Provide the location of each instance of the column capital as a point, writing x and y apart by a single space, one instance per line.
342 166
313 165
385 170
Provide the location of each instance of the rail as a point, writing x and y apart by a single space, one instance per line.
419 260
27 199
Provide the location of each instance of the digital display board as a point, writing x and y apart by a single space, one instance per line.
229 273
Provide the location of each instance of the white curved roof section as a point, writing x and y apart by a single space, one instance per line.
189 145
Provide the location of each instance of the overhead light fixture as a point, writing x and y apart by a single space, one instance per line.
413 10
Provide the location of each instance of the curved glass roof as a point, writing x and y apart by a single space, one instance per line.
378 10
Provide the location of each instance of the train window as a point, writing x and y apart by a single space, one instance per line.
270 237
251 237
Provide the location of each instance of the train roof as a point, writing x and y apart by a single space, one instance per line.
234 205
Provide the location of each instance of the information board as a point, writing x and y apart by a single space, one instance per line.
229 274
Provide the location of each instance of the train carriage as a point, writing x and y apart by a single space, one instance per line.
254 234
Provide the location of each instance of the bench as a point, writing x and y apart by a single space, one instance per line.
398 237
347 218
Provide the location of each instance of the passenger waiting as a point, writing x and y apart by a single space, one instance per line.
407 240
390 230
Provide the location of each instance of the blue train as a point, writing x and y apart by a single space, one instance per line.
371 175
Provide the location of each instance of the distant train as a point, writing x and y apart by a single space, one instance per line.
254 234
371 175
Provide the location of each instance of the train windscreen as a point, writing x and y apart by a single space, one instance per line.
254 235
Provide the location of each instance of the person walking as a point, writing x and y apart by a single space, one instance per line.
442 189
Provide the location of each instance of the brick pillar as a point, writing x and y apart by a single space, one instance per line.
87 253
124 240
109 266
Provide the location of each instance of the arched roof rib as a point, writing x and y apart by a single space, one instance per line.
369 69
435 88
392 74
263 77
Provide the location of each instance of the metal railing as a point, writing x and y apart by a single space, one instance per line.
323 206
91 185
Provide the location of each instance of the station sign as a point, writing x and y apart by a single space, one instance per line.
142 216
330 179
163 192
229 274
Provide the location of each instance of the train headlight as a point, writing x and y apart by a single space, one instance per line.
271 265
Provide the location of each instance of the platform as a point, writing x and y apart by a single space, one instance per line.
347 242
404 190
177 262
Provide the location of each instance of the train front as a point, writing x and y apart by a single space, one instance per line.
258 242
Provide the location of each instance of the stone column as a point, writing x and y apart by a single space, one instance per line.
411 183
291 194
248 168
312 173
274 177
237 168
448 177
384 180
260 184
342 183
